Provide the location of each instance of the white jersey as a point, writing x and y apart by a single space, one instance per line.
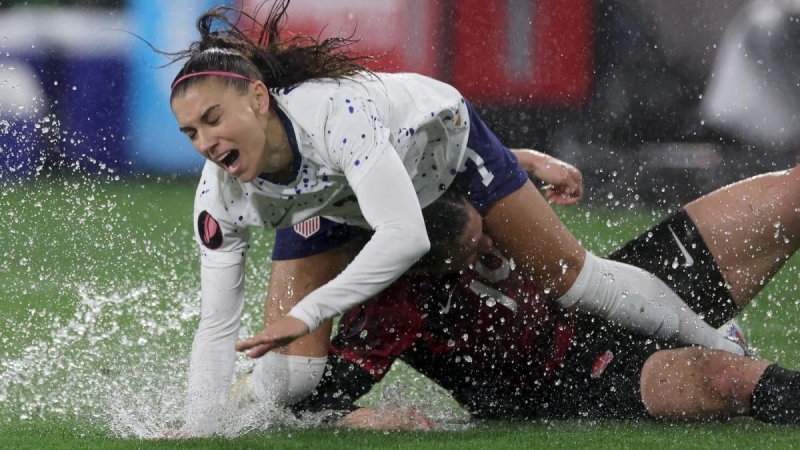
340 128
343 134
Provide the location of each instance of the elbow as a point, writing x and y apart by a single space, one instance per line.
415 242
422 243
423 247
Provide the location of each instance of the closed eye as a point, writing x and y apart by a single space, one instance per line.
189 133
204 118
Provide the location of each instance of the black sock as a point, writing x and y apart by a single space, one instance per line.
776 397
700 284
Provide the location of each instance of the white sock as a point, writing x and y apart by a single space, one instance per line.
639 301
286 379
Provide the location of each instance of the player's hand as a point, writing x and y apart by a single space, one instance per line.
563 182
277 334
393 418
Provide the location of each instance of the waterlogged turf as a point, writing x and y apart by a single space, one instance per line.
736 434
100 301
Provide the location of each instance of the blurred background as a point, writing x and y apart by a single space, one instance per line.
655 101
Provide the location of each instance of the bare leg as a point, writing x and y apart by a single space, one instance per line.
694 383
524 227
291 280
751 227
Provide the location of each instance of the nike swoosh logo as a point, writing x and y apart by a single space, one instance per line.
446 308
689 260
485 291
275 223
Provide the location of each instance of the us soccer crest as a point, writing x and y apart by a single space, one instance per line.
307 227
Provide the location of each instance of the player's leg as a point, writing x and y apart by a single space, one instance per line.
599 378
695 383
526 229
293 371
751 227
719 251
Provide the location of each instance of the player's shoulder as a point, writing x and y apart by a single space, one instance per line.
314 97
308 105
216 190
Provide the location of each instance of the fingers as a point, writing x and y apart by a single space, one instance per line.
562 199
249 343
261 350
277 334
564 195
258 345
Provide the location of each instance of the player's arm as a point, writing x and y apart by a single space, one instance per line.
361 148
563 182
212 357
293 279
222 260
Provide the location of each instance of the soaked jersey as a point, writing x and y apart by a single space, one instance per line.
485 336
337 129
502 353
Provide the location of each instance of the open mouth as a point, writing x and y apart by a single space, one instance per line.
229 159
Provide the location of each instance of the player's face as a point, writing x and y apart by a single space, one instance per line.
228 128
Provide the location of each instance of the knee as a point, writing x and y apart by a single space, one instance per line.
721 373
791 186
693 383
286 379
793 175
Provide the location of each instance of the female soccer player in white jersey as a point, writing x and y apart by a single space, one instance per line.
297 128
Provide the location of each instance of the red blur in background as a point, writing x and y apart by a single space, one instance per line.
496 52
523 51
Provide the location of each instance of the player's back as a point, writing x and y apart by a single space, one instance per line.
484 335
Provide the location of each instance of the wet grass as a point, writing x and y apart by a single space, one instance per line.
736 434
100 300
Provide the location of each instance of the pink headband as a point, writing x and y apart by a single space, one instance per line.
211 72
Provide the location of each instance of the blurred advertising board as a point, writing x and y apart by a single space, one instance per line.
155 142
405 33
507 52
66 69
496 52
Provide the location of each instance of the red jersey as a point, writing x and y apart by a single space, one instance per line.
483 334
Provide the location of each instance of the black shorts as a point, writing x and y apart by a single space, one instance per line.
675 252
601 377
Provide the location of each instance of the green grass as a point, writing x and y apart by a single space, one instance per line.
101 300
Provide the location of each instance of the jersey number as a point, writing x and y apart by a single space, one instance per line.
494 276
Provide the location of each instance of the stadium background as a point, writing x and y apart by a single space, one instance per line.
618 88
99 268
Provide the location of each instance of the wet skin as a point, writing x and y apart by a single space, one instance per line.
237 131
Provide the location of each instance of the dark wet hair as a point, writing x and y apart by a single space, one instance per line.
232 40
445 219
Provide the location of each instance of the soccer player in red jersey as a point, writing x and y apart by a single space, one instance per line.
483 333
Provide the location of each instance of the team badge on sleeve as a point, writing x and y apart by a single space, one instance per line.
209 231
307 227
601 363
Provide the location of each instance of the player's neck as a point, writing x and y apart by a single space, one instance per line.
277 145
